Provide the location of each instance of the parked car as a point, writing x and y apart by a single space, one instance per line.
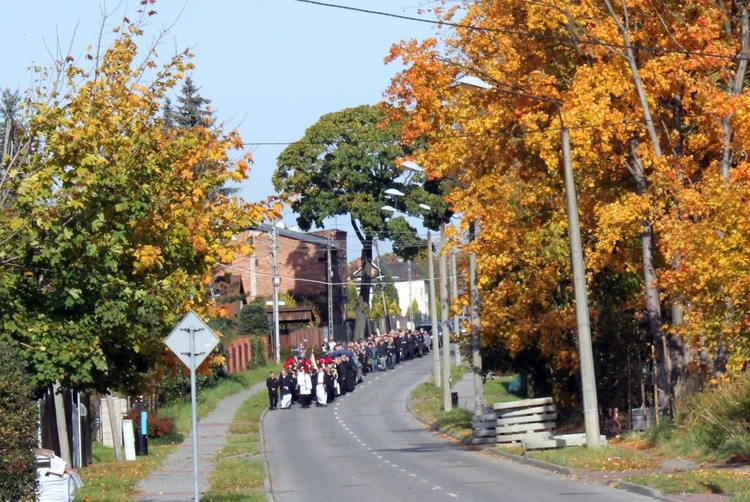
428 329
462 322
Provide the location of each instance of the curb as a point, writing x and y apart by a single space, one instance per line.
642 490
266 466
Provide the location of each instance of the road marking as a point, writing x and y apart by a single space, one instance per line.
436 487
453 495
413 475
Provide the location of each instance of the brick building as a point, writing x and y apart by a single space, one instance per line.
302 266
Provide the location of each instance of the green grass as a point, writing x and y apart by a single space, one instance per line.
605 458
698 481
209 398
239 474
496 390
426 401
107 480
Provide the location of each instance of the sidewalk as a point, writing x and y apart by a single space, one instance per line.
173 480
465 390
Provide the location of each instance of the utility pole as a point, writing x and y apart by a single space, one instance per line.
330 289
447 405
476 342
276 282
433 314
454 297
408 308
590 406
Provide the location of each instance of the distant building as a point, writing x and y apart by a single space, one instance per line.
411 286
302 266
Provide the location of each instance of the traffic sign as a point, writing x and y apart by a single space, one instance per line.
178 340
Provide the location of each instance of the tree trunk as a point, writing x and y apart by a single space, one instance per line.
363 302
653 305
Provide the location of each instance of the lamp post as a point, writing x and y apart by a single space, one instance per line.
588 381
414 168
445 334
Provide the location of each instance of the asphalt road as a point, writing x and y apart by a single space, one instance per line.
367 447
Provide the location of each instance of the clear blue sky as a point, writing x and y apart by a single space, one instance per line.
270 67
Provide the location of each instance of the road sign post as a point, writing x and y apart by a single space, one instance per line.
199 338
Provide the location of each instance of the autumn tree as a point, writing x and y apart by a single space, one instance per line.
115 233
343 166
653 98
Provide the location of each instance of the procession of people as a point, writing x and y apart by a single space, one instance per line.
320 375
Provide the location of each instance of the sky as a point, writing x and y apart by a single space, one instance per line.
271 68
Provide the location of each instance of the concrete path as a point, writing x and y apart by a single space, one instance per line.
173 481
465 390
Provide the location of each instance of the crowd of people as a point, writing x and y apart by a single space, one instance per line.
325 373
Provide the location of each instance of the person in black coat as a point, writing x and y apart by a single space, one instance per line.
330 387
286 384
341 372
272 384
351 374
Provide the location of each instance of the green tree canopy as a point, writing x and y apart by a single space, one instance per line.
343 166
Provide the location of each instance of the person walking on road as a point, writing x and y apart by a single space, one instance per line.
285 385
272 384
305 388
321 392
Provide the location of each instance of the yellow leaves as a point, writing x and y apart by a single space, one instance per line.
147 257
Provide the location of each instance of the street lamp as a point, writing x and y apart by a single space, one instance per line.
445 333
414 168
588 380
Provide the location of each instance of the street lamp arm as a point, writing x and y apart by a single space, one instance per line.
477 83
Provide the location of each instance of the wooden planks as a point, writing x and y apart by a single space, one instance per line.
483 428
526 419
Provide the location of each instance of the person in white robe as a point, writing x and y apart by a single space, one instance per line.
305 388
321 393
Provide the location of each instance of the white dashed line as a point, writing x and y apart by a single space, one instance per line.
453 495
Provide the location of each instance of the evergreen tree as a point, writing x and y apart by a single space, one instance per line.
253 320
168 113
9 102
193 110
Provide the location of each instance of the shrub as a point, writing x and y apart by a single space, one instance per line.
253 319
18 418
716 419
259 352
157 426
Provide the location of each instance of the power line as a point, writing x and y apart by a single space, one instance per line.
529 34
